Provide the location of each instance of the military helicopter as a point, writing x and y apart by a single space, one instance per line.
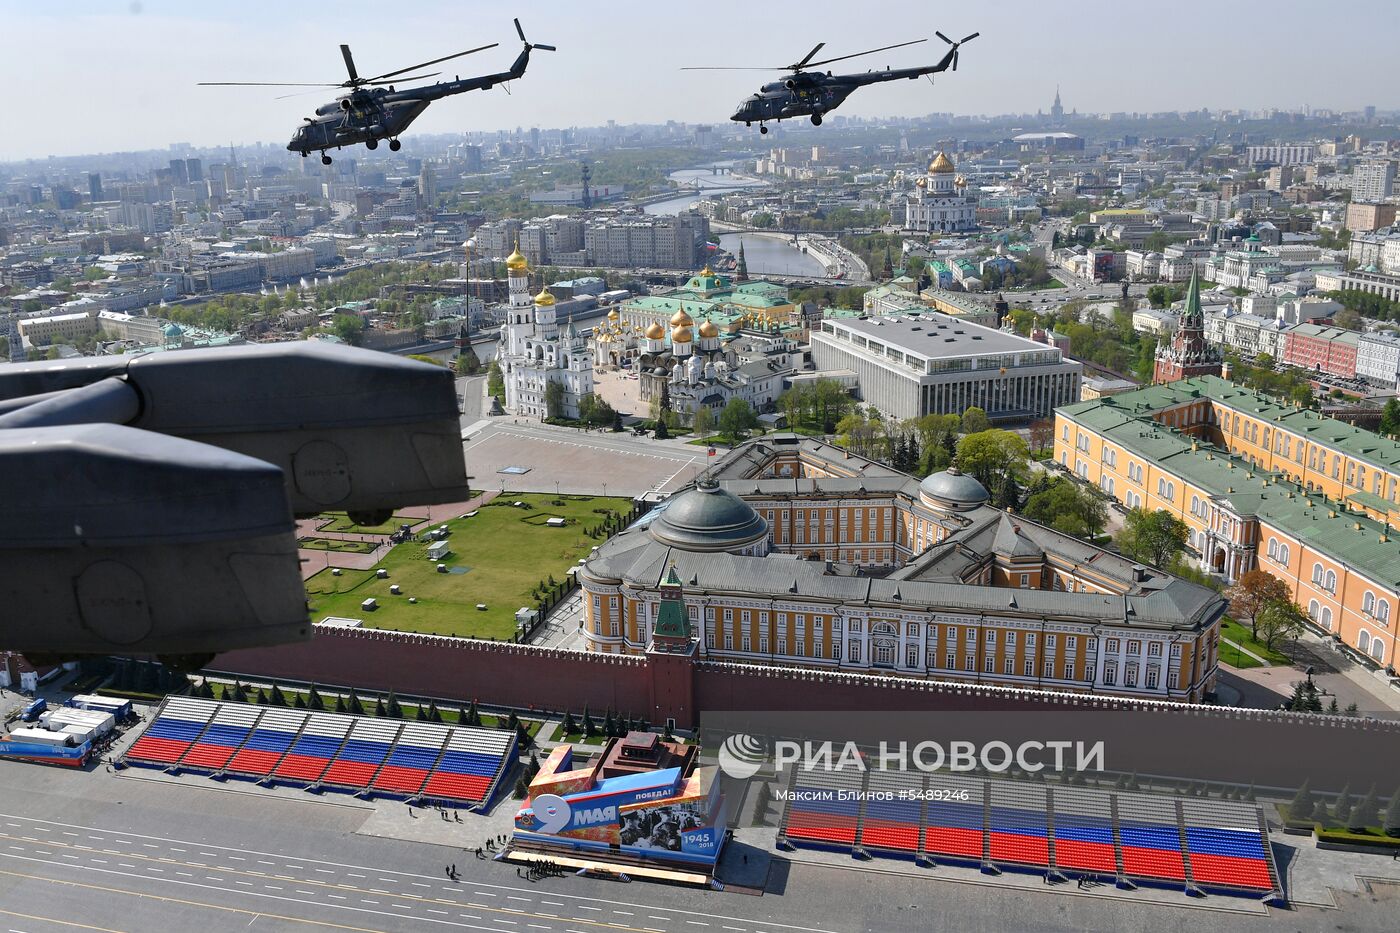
374 109
813 94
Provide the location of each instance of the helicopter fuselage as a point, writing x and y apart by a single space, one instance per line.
367 115
813 93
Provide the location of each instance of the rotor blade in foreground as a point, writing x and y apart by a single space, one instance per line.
390 74
886 48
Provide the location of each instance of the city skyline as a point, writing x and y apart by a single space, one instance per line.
152 99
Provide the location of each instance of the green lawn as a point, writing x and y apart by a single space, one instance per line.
337 544
1237 659
506 551
1239 634
339 521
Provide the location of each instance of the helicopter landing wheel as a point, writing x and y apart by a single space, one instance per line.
395 145
325 159
371 143
762 129
303 153
816 119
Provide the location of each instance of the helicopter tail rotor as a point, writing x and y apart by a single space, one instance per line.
529 45
955 45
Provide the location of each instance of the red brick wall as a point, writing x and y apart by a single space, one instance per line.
494 673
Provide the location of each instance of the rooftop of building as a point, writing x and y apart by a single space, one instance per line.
935 579
933 334
1248 491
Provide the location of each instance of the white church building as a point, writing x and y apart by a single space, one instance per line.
534 353
940 202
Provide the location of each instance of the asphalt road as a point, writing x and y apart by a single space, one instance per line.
123 854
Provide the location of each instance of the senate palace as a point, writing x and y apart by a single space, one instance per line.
1260 485
797 553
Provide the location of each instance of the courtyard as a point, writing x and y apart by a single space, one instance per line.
496 558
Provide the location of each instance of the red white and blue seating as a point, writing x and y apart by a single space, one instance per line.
390 757
1211 845
178 723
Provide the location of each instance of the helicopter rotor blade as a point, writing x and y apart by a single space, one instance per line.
433 74
349 63
261 84
726 68
968 38
519 31
943 37
390 74
807 58
886 48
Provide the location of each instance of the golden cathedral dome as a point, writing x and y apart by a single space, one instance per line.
960 181
613 315
681 319
544 299
941 165
920 183
682 335
516 261
706 272
656 332
708 329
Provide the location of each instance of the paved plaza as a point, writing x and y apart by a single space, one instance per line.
580 462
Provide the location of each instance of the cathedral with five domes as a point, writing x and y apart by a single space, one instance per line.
940 202
534 352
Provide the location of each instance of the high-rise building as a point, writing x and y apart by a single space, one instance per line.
1373 180
427 187
1057 110
178 172
95 186
194 170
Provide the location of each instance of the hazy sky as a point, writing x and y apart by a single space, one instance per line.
99 75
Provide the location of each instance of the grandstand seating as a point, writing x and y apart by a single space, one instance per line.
1228 855
228 729
177 725
395 757
469 764
1083 832
319 741
1132 836
413 756
891 821
267 743
1017 824
818 812
1149 838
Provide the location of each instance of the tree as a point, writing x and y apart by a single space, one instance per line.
1348 319
974 421
1067 507
392 708
1390 418
1278 620
737 419
1255 590
1364 813
1042 434
1390 823
1344 804
1152 537
277 698
354 706
1302 803
553 399
703 421
468 363
495 381
314 699
991 456
348 327
662 433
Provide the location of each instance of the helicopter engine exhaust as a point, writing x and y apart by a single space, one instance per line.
345 103
790 84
